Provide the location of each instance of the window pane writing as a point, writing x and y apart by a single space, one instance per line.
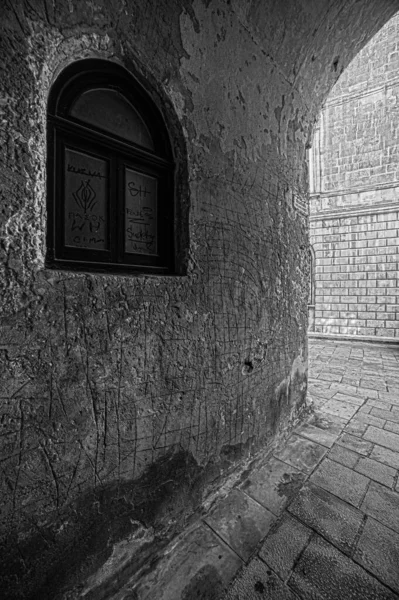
140 213
110 111
86 199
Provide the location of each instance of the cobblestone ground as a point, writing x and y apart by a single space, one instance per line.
319 519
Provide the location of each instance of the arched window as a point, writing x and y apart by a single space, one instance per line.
110 174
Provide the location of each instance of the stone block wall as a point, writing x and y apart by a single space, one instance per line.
354 203
361 139
356 274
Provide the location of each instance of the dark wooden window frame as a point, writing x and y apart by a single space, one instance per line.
65 131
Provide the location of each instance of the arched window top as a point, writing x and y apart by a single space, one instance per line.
103 96
110 111
110 174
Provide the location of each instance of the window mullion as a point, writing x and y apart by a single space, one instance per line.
114 209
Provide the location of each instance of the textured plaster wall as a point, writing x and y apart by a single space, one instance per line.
354 211
123 399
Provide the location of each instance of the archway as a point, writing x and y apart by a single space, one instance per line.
115 383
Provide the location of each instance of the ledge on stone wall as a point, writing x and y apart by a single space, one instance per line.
373 339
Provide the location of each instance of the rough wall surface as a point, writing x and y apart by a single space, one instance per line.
354 209
124 398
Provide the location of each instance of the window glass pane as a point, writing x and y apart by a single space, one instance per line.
140 213
109 110
86 200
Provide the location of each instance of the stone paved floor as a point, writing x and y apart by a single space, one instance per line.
320 518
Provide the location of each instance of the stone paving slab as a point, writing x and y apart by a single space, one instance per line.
354 443
327 376
342 455
383 438
274 484
326 421
357 425
284 545
394 427
378 552
309 431
301 453
255 582
385 456
388 415
372 384
366 392
351 381
357 400
383 505
368 419
389 397
241 522
341 481
373 404
323 391
345 389
332 518
340 408
376 471
316 401
324 572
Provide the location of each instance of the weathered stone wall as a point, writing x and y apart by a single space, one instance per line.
354 220
123 398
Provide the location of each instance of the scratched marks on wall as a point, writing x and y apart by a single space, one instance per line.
134 372
129 370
